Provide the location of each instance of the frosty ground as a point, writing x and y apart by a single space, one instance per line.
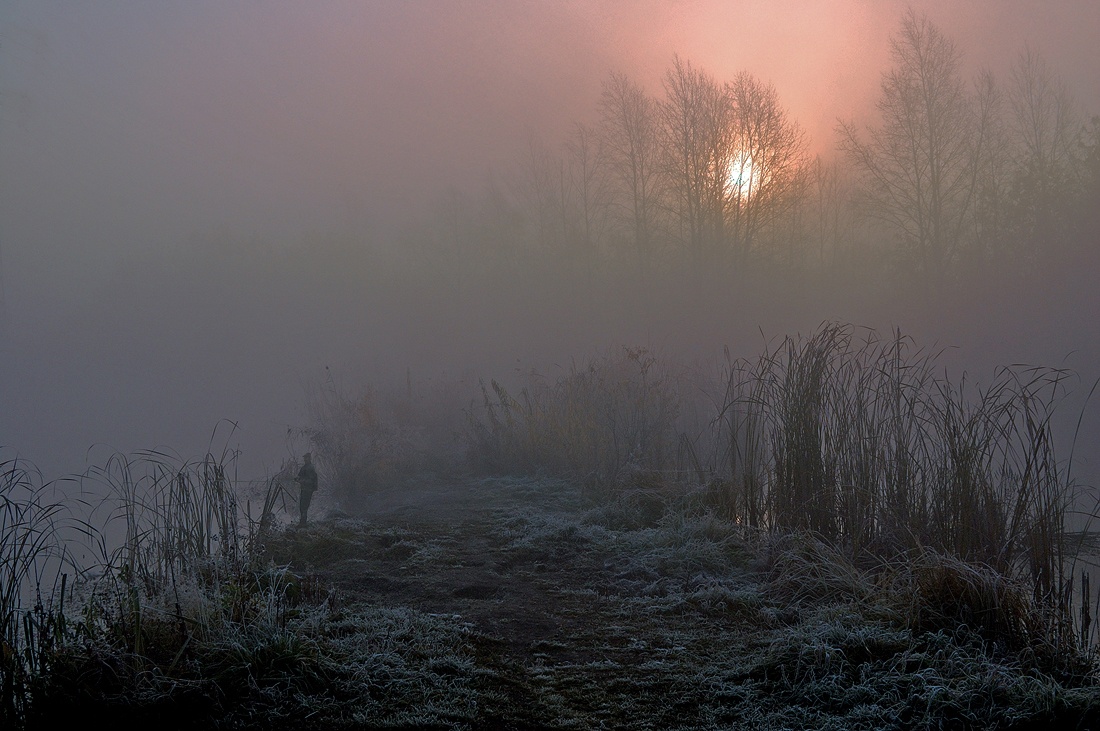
519 603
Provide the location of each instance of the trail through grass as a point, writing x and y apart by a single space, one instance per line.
574 616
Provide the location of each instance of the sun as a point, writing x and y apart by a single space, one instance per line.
744 176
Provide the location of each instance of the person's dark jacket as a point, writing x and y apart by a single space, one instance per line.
307 477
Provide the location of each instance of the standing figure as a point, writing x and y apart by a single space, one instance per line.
307 482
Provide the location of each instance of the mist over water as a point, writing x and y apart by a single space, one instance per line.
205 213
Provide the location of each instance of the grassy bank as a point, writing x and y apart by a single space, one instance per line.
838 537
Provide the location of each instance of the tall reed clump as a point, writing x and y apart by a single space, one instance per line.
173 595
177 567
861 442
613 418
33 578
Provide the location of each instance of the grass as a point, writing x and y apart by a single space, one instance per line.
177 599
33 584
610 421
691 622
863 443
376 440
853 541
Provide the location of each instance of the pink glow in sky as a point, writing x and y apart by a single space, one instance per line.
265 117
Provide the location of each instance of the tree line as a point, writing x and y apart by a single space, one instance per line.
952 175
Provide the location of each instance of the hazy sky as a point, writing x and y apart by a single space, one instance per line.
135 121
136 126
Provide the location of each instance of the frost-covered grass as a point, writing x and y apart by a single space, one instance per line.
694 622
592 618
864 544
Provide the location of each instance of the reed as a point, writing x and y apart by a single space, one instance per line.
174 590
606 424
34 566
370 442
861 442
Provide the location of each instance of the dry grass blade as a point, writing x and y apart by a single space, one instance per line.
33 562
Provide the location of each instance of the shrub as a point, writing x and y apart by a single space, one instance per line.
609 423
362 444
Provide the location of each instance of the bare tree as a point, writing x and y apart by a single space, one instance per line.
830 209
697 121
993 162
768 163
920 165
630 130
1044 119
545 193
587 157
1088 214
1045 126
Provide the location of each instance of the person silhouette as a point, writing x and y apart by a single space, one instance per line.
307 483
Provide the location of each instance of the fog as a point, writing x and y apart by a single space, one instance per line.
207 208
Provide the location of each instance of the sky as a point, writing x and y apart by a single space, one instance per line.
284 117
135 130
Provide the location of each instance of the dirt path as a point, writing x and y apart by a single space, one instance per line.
565 615
461 548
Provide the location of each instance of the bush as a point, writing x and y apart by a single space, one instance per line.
607 424
361 445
